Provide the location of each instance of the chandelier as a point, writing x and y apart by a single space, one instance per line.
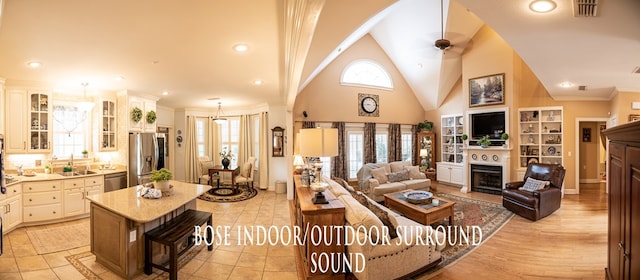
219 118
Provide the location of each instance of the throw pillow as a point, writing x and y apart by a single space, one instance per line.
379 174
532 185
344 184
398 176
414 172
384 218
358 215
360 197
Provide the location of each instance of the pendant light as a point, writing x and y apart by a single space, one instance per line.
219 118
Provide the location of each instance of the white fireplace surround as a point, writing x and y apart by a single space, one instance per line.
495 156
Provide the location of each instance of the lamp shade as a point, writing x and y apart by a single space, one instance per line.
319 142
298 160
423 152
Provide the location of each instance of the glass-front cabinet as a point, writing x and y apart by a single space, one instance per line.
108 131
452 130
39 121
426 150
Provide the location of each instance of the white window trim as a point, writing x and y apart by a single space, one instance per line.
380 67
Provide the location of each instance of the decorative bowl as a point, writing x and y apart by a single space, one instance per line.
418 197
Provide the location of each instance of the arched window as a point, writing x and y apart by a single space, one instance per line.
366 73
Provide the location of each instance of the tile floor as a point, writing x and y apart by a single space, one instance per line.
20 260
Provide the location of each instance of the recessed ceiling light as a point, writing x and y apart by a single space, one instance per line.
542 6
240 48
420 66
258 82
566 84
165 93
34 64
118 78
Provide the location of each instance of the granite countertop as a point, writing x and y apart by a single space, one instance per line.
55 176
130 204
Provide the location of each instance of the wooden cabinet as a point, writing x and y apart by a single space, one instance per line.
624 202
426 154
540 135
29 130
108 136
450 173
11 207
42 201
322 216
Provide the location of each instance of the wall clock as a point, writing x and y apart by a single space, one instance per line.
368 105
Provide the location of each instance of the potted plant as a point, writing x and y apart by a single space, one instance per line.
161 179
425 126
226 157
505 137
85 153
464 138
484 141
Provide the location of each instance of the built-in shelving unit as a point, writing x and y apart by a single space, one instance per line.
451 144
540 135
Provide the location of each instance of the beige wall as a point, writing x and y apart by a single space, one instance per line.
621 106
589 161
325 100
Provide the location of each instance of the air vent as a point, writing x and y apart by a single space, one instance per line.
636 70
582 88
585 8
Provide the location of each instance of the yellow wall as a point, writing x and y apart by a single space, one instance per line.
325 100
589 161
621 106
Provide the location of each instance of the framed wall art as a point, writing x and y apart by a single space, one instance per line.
486 90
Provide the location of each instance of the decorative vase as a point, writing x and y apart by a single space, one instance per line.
162 186
225 163
484 145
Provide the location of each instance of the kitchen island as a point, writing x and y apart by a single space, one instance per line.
120 218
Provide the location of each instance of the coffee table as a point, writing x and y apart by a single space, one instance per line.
425 214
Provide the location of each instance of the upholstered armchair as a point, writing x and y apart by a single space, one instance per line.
534 200
246 172
203 170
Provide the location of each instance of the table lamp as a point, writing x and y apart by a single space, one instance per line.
424 155
319 142
298 162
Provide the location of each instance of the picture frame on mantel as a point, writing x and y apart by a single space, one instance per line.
486 90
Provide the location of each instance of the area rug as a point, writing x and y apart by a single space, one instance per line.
225 194
60 238
85 261
470 212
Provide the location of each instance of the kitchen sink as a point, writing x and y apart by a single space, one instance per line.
77 173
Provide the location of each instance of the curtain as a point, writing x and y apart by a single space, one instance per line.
263 157
214 141
339 163
244 147
394 151
415 150
369 143
191 160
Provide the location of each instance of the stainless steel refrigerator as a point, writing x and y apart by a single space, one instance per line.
143 157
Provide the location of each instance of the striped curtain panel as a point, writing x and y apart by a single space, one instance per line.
394 151
369 144
307 124
414 149
339 163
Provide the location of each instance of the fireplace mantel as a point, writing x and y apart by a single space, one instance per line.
495 156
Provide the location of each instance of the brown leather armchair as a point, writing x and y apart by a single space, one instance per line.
538 204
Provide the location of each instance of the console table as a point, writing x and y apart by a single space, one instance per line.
307 213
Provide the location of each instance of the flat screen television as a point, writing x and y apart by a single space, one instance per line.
490 123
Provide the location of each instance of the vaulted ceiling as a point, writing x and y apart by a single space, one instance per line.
185 48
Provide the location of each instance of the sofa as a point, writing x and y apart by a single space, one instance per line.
395 260
377 179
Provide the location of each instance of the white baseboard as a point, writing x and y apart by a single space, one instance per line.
570 191
590 181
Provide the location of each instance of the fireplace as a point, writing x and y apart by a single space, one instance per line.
486 178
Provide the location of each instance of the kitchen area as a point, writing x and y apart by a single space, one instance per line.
59 149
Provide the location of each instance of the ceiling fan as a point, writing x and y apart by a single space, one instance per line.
443 44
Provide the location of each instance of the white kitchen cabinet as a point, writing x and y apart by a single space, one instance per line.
108 136
450 173
76 192
143 106
29 130
11 207
42 201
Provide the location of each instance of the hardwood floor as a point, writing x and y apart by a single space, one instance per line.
569 244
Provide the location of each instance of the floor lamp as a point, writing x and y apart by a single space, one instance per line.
319 142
